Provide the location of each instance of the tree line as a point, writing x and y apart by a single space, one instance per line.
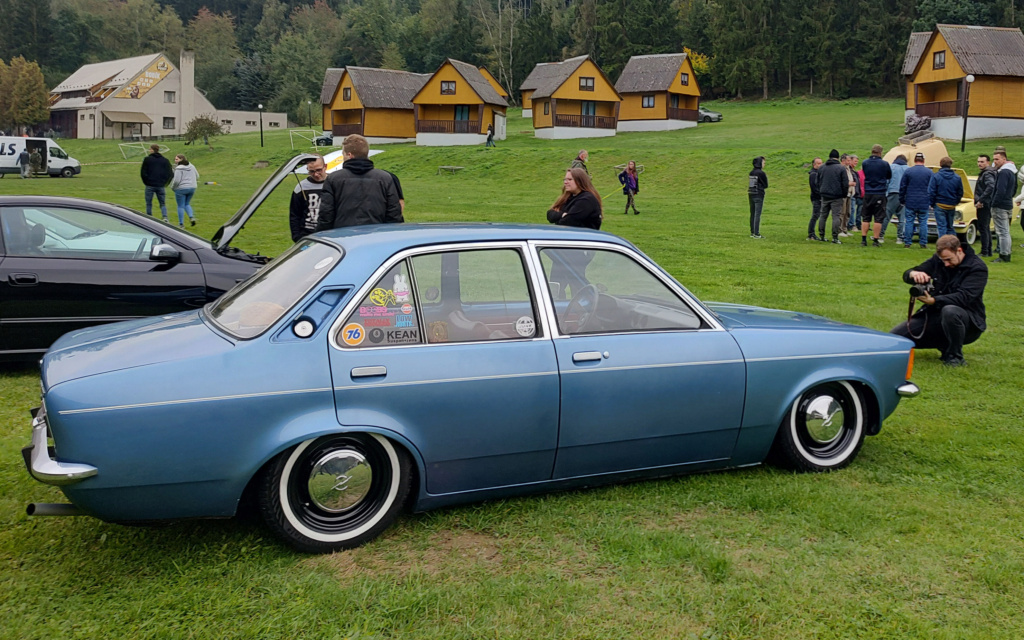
275 51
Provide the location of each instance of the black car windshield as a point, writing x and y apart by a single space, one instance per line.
254 305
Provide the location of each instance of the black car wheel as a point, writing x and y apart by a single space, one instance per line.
707 119
335 492
824 429
67 172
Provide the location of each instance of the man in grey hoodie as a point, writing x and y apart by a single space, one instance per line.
1002 203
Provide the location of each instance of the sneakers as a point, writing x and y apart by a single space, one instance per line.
193 221
843 234
836 241
813 237
757 236
905 246
1002 258
880 240
876 243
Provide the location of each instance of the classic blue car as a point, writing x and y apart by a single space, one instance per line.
376 368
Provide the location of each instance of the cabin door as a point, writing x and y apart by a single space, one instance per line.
499 126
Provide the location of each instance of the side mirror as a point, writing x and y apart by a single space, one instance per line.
164 253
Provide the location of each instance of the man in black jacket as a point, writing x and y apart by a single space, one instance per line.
757 182
954 312
984 194
832 185
156 172
812 178
304 209
357 193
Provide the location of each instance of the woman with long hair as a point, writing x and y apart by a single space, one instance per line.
579 204
630 181
184 183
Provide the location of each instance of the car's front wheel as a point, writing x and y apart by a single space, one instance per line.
67 172
824 429
707 119
335 492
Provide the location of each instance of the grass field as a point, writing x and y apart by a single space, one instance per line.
922 537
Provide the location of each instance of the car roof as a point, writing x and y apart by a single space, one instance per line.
394 237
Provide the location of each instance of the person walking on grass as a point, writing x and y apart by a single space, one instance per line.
184 184
581 161
757 182
630 181
490 136
156 172
25 162
876 182
812 178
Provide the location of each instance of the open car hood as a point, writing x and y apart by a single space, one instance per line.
230 229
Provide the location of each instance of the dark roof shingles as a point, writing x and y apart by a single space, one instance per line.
554 75
479 83
989 51
649 73
915 49
386 88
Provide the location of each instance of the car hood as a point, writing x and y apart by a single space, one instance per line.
124 345
738 316
230 229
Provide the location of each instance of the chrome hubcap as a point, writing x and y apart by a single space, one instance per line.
340 480
824 419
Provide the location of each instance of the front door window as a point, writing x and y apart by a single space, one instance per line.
462 112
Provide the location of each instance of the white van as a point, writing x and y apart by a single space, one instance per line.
56 161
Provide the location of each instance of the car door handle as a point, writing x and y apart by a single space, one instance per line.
588 356
369 372
23 279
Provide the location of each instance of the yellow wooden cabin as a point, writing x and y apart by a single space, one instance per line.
456 106
489 77
659 93
574 99
971 71
375 103
526 89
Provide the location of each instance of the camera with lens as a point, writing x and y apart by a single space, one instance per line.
920 290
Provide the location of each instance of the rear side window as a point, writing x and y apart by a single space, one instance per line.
386 316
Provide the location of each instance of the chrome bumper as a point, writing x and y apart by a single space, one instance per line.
43 467
908 390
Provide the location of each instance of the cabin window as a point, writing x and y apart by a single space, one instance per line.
462 112
448 88
547 108
346 93
939 60
684 79
648 102
588 108
168 123
675 101
586 84
169 97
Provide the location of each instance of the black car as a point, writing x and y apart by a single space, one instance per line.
69 263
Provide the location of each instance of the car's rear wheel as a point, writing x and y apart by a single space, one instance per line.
972 233
824 429
335 492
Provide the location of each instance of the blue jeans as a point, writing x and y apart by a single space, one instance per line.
894 208
161 196
183 198
944 220
918 218
856 213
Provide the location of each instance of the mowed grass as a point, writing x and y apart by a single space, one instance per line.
922 537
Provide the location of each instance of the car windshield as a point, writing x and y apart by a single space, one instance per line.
254 305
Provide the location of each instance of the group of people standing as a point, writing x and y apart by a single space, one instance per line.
880 191
183 179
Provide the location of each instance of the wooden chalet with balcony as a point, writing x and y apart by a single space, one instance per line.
939 87
530 85
456 106
659 93
574 99
375 103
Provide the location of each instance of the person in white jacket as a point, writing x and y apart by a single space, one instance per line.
183 184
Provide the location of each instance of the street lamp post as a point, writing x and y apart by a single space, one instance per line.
260 107
967 107
309 113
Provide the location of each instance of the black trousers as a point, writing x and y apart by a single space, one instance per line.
983 224
948 330
832 206
815 214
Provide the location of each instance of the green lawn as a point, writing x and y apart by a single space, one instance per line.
922 537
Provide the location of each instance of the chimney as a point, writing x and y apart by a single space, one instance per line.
187 69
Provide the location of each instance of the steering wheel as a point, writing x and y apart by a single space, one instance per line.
140 253
584 304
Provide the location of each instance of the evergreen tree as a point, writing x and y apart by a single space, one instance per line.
214 36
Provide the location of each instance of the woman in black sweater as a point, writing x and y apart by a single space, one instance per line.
579 205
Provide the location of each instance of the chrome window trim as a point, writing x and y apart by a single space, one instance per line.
518 245
646 263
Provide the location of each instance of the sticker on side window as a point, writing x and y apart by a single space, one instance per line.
402 336
526 327
353 334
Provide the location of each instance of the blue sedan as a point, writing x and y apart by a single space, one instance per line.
373 369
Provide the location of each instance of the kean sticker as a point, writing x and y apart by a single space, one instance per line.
353 334
401 336
526 327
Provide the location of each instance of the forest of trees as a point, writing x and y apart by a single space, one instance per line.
276 51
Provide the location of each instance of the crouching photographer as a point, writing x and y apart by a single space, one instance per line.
951 285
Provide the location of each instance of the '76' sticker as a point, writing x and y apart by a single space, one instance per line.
353 334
